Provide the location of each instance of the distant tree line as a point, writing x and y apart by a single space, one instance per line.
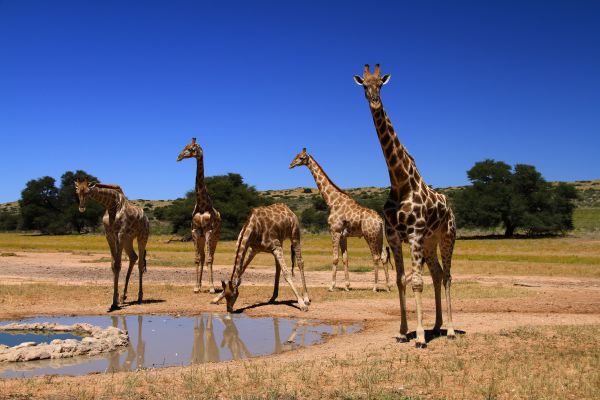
515 199
50 209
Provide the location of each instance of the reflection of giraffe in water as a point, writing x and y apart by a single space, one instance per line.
135 359
231 339
205 347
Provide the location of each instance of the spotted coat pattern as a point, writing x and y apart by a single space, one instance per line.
347 218
265 230
123 223
415 214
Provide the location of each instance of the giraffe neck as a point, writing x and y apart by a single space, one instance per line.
404 176
109 198
202 198
240 253
326 186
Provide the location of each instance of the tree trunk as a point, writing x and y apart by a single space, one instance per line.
510 230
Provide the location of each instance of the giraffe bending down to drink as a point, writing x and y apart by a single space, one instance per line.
206 220
264 231
123 222
414 213
347 218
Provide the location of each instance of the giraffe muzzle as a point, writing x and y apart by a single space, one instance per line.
81 209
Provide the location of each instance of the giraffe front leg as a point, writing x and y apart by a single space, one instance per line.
128 247
116 271
199 242
276 283
212 238
300 263
396 248
416 253
446 249
335 239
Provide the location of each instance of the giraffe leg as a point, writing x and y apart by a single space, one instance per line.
300 263
212 238
335 238
386 266
141 265
116 268
278 253
375 247
446 249
344 248
396 248
416 253
199 241
128 247
430 254
276 283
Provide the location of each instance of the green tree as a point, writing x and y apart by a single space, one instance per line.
519 198
231 197
9 221
314 218
39 206
69 203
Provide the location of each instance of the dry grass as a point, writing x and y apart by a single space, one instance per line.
524 363
576 257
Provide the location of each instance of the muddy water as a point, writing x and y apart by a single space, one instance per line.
161 340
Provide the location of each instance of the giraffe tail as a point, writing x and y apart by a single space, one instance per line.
386 258
293 259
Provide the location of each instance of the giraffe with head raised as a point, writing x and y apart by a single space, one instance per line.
123 223
206 220
347 218
415 214
265 231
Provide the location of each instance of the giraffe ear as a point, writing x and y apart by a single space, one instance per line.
359 81
385 79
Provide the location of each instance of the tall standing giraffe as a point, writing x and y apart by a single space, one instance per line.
414 213
123 222
206 220
347 218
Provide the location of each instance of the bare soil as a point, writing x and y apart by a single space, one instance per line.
546 301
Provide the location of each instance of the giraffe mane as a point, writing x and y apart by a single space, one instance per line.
328 178
109 186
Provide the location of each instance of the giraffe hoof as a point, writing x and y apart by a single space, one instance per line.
304 308
451 337
114 307
196 290
401 339
375 289
420 345
331 288
347 288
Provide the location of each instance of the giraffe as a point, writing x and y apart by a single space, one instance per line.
123 222
206 220
347 218
264 231
415 214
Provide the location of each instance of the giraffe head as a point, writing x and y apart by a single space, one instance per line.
372 84
83 189
191 150
300 159
231 293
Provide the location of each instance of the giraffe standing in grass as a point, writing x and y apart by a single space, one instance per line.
206 220
414 213
265 231
123 222
347 218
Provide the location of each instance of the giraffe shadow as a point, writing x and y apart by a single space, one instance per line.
145 301
289 303
430 334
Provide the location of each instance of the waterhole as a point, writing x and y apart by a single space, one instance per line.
163 340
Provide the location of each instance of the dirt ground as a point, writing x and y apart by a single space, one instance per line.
524 301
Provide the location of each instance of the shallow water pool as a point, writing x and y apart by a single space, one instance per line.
164 340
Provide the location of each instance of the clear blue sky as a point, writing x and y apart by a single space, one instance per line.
117 88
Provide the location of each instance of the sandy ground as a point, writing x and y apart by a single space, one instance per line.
553 301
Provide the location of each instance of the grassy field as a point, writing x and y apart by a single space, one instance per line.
566 256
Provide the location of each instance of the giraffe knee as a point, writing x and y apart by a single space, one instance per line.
417 283
336 259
